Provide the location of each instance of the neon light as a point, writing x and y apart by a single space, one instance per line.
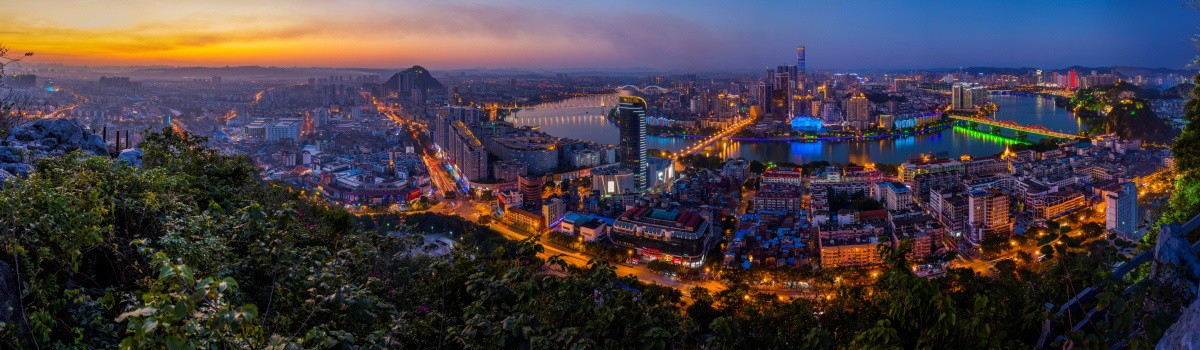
988 137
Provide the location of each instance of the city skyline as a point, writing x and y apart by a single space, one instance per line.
608 36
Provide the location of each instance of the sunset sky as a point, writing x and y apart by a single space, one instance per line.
698 34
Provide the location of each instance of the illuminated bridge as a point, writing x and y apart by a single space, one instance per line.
1011 125
732 129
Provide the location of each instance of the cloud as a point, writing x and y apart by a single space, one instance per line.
605 39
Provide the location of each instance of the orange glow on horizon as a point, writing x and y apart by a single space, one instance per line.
262 32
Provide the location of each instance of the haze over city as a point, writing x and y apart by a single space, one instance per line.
661 35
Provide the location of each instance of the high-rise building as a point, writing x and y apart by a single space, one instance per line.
979 95
631 114
1120 212
800 73
987 213
960 96
467 153
1072 80
858 111
531 191
965 96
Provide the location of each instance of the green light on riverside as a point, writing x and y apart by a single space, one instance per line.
988 137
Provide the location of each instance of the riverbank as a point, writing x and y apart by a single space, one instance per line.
936 127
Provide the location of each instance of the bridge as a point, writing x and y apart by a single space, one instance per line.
732 129
588 101
1011 125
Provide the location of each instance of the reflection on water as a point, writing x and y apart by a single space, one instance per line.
585 120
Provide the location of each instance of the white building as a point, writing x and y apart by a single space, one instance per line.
1120 213
289 130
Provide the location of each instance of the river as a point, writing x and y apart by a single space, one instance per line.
583 119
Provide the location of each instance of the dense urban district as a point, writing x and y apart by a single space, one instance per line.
252 207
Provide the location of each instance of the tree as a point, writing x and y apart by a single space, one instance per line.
585 183
1185 199
195 251
756 167
10 104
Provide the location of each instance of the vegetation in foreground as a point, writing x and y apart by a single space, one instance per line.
194 251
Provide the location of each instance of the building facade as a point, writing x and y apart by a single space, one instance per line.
631 124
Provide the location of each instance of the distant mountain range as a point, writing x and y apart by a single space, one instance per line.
1119 70
272 73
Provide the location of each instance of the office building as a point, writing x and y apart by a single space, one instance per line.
631 114
531 191
466 153
282 130
800 73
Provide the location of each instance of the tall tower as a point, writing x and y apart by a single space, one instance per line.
800 77
631 120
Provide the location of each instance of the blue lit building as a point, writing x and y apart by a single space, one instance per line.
807 124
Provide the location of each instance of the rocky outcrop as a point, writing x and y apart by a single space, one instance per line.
46 138
1173 255
51 137
1185 333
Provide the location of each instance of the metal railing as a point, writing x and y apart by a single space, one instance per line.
1076 305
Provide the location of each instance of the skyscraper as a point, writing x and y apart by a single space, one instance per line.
1120 212
800 77
960 96
858 111
631 118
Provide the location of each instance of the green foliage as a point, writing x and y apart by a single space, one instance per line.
179 310
756 167
1185 198
700 160
194 251
1123 109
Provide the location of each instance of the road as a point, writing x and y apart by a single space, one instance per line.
61 111
463 206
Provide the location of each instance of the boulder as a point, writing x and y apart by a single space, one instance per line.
11 154
1185 333
1173 255
51 137
18 169
132 156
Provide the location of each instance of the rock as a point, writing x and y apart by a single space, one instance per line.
10 300
18 169
11 154
1173 254
132 156
51 137
1185 333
